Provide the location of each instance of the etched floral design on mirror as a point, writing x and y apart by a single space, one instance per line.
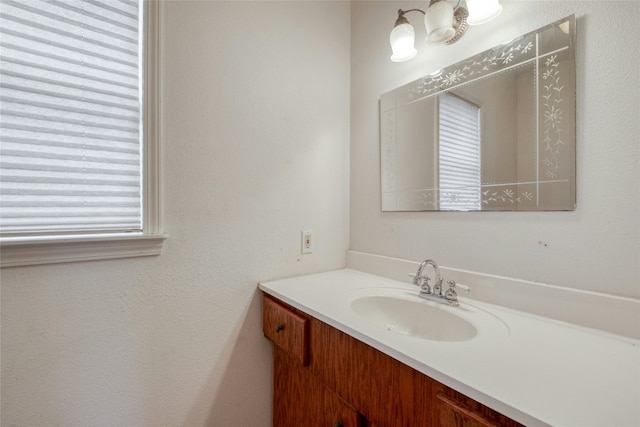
510 146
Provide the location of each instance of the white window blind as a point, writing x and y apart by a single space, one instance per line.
459 154
70 116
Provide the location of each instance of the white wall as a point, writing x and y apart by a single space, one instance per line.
256 145
256 134
596 247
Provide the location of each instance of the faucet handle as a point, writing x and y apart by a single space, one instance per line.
453 284
451 294
424 284
415 278
422 281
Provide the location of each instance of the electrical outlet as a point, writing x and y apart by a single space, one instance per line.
307 241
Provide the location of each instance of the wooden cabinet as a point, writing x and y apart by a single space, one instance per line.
324 377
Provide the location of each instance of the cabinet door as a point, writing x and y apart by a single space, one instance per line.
361 375
456 410
301 400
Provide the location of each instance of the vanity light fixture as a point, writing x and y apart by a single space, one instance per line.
445 24
482 11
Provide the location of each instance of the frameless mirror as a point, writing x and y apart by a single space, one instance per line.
493 132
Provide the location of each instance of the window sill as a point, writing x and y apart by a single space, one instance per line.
53 250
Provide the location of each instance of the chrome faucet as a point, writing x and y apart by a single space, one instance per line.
423 281
450 297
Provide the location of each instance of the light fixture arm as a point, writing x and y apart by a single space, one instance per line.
401 19
402 12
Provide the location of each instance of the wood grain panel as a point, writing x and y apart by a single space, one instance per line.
454 409
300 400
422 388
286 328
359 374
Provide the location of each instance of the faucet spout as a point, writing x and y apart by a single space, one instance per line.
423 280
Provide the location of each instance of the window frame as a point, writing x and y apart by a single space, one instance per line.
22 251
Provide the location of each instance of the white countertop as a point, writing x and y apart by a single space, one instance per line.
540 372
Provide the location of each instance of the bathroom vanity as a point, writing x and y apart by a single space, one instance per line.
324 377
337 364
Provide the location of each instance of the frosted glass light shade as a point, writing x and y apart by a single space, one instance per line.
438 20
482 11
402 39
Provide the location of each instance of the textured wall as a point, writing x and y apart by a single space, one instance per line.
596 247
256 145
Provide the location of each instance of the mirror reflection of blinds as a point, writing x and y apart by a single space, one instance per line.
70 114
459 153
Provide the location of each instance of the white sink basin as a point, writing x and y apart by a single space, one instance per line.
414 318
403 312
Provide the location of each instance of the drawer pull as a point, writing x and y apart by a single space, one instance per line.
279 328
338 424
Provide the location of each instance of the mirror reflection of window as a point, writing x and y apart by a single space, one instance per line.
459 154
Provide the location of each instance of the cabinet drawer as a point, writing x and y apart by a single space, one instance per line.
455 409
287 329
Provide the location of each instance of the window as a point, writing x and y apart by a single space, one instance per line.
79 156
459 154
